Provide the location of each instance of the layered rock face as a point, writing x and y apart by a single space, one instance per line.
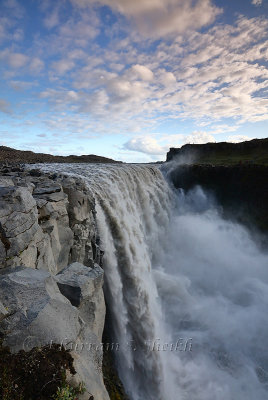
50 270
46 222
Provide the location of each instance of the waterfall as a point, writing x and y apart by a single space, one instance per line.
132 204
187 290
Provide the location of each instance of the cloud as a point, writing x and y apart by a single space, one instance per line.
209 77
21 85
80 29
63 66
4 106
14 60
256 2
52 19
36 65
215 77
15 8
199 138
142 72
147 145
17 60
238 138
159 18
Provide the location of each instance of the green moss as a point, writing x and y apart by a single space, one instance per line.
111 379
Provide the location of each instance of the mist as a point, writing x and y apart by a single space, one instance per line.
212 281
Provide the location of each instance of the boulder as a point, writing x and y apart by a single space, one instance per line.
83 287
47 188
38 314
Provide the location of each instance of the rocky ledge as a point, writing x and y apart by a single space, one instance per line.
50 270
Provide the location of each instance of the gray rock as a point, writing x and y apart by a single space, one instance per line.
54 220
83 287
6 181
3 312
36 309
45 225
47 188
81 211
18 218
57 196
66 217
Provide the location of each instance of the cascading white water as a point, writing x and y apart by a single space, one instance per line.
177 273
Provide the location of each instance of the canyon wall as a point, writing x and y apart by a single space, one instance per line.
241 190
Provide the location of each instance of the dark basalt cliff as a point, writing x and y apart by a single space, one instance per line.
240 188
253 151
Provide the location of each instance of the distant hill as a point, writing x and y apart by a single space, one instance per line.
7 154
250 152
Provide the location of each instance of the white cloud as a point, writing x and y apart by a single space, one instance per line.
63 66
238 138
147 145
162 17
199 138
208 77
15 8
142 72
79 29
166 78
17 60
36 65
52 19
256 2
223 128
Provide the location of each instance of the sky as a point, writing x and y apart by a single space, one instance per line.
129 79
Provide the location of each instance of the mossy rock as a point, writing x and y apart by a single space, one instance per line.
33 375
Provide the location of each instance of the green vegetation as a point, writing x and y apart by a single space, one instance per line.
39 374
66 392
